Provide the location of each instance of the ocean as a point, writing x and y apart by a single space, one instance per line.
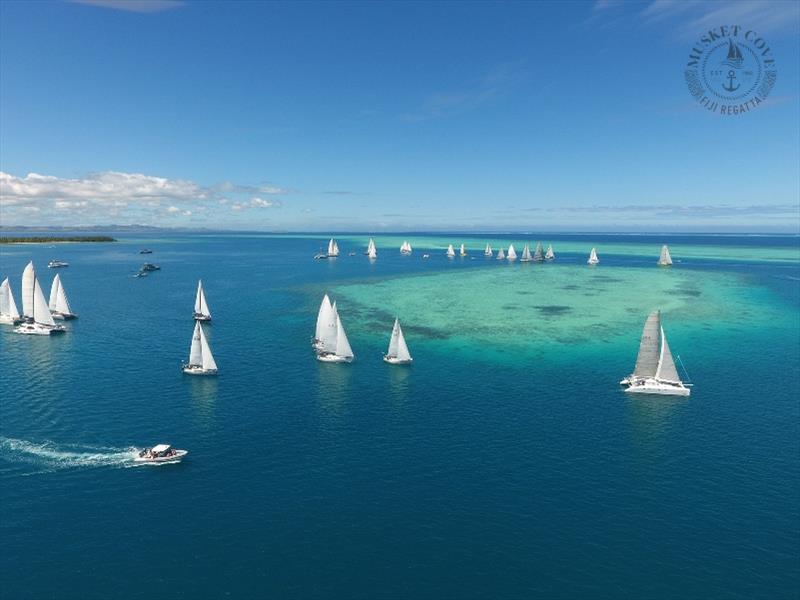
506 462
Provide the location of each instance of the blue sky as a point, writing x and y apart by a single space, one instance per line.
389 116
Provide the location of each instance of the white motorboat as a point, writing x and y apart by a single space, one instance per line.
664 260
59 304
38 320
201 310
9 315
56 264
398 353
162 453
655 371
201 361
593 260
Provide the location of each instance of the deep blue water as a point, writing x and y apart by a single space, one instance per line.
450 479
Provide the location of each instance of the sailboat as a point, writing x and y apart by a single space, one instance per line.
501 255
512 254
538 255
405 248
488 251
655 371
333 248
398 353
665 260
38 320
526 254
59 304
9 314
549 255
201 312
201 361
450 251
463 251
371 251
335 346
593 260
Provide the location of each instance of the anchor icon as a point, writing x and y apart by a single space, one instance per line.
731 77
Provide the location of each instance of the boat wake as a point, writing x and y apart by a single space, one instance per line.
48 456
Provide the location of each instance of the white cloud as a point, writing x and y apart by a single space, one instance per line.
258 202
173 210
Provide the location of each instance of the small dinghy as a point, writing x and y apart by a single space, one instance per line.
162 453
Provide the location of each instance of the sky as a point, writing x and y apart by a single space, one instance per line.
389 116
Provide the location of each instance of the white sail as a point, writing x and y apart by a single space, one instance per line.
647 361
665 259
196 349
372 252
343 348
330 247
409 249
549 255
526 253
62 303
450 251
7 305
200 304
327 335
322 317
488 250
511 254
33 302
54 292
593 260
208 361
463 250
501 254
538 254
397 345
666 370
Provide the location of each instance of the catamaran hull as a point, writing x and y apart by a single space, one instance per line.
659 389
37 329
334 358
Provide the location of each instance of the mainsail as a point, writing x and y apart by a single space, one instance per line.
538 255
526 253
397 344
7 305
371 250
200 304
665 259
196 349
666 370
463 250
343 348
333 248
647 361
512 254
322 317
58 297
327 335
33 303
501 254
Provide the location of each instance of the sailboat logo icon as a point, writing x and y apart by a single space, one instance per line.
734 58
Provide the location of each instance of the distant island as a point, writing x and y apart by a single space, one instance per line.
52 239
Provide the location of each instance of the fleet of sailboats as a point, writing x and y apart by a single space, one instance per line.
201 311
38 320
330 340
201 361
655 371
593 260
398 353
9 315
665 260
59 304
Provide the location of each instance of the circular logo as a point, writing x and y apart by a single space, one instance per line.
731 70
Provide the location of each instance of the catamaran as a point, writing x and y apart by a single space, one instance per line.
398 353
201 311
9 314
512 254
463 251
38 320
665 260
333 249
488 251
450 251
405 248
201 361
549 255
538 254
501 255
655 371
526 254
336 346
593 260
371 251
59 304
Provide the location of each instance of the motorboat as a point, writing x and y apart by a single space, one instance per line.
162 453
145 251
56 264
150 267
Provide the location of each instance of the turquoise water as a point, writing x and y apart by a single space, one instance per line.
505 462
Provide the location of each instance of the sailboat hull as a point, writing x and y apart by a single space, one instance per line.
198 370
64 316
659 388
334 358
200 317
393 360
